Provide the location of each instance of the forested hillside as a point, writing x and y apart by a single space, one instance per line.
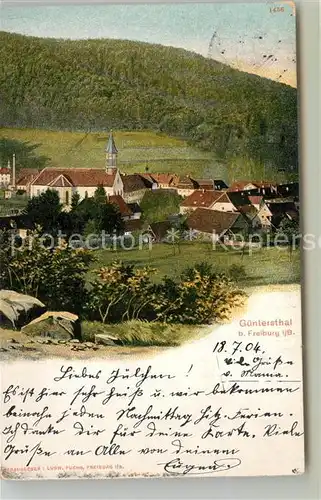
95 85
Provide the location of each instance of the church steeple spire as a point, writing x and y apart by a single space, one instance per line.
111 153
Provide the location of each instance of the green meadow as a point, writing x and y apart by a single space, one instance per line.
265 266
137 151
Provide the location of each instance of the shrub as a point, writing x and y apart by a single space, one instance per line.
120 293
237 272
198 298
204 269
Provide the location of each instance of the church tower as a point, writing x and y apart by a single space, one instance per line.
111 154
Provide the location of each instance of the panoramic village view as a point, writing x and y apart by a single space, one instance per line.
145 190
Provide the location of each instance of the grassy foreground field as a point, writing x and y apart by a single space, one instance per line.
137 150
142 333
264 266
266 269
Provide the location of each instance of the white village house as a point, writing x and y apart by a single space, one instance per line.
5 177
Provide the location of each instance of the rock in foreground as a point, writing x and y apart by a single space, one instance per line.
17 309
58 325
106 339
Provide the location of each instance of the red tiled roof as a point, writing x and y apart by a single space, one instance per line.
61 181
168 179
148 177
208 221
248 211
148 181
207 184
90 177
4 170
255 200
26 175
165 178
241 185
207 187
159 229
133 182
22 181
186 183
121 204
23 172
204 199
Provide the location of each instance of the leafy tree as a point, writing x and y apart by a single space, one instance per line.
26 156
5 251
66 223
87 209
56 276
176 235
75 199
105 216
45 210
288 233
90 228
109 219
71 223
100 196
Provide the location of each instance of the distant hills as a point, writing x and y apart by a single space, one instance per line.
95 85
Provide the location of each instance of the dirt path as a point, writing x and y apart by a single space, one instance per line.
27 348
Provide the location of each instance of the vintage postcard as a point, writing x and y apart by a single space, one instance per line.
150 241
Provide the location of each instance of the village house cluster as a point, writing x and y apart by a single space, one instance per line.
208 205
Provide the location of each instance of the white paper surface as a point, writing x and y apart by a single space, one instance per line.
228 404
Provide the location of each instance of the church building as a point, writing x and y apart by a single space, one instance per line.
84 181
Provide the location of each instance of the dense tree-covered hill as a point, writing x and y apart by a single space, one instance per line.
95 85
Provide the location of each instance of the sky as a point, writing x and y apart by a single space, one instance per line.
250 37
